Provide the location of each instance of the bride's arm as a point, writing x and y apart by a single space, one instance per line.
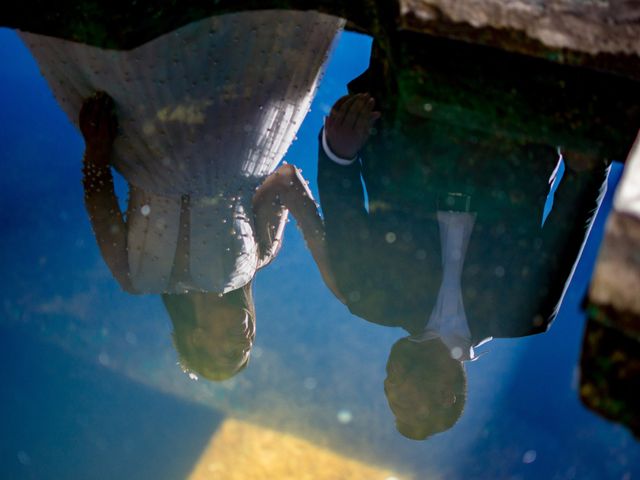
106 219
286 190
270 218
98 128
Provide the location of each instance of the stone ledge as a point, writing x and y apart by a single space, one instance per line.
597 34
601 34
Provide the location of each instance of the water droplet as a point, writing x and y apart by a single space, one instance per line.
390 237
104 359
529 456
354 296
456 353
24 458
310 383
344 416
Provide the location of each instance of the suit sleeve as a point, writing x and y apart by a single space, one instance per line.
523 268
576 204
355 252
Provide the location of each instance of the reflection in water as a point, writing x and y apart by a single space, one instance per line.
196 121
451 231
454 245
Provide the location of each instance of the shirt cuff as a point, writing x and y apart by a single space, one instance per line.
332 156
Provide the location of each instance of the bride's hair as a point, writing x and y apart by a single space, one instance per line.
217 346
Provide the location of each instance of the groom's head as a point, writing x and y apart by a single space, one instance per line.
425 387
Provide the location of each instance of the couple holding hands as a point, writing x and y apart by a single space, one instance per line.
450 246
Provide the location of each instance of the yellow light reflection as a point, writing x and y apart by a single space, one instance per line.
241 451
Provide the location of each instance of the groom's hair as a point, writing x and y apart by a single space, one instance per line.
433 375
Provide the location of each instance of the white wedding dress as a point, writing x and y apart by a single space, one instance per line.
207 111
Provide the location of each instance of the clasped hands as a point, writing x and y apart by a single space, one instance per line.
348 126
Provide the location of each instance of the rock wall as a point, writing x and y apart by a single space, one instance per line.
603 34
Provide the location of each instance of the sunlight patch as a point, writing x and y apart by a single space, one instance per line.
240 451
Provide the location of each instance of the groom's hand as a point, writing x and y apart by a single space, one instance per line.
348 125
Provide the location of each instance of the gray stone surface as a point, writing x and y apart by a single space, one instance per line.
589 26
604 34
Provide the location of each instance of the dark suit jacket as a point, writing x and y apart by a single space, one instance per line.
387 260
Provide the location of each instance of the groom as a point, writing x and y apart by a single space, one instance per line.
453 244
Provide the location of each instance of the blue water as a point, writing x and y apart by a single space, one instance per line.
90 376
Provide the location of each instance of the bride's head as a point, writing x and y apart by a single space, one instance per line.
213 334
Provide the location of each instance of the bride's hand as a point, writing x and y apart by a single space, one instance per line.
348 125
98 124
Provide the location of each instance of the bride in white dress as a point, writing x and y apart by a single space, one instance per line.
204 115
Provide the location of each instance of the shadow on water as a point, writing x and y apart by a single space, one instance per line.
63 417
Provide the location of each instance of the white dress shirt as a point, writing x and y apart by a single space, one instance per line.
448 320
